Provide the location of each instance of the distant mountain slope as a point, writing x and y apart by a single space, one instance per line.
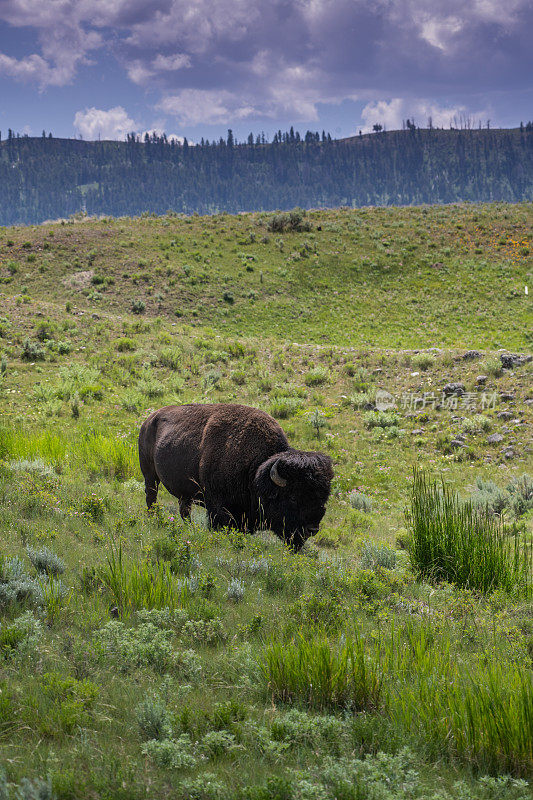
47 178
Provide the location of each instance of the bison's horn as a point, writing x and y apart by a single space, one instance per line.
276 477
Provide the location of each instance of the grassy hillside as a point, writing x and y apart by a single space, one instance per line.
141 656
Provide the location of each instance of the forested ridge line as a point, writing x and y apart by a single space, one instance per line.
46 177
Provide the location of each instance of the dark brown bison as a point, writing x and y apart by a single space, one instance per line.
238 462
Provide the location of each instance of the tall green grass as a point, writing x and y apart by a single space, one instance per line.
481 714
132 586
453 540
317 674
88 449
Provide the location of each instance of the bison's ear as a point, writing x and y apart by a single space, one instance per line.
275 477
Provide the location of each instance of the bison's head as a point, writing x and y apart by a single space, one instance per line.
292 489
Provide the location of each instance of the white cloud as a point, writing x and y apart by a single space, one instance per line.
31 68
440 32
195 106
94 123
141 72
171 63
392 113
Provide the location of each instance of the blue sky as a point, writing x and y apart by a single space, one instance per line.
198 67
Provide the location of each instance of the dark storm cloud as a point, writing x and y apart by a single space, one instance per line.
249 58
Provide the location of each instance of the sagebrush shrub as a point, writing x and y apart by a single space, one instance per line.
205 631
171 753
153 719
218 743
235 590
20 637
16 586
374 555
360 502
45 560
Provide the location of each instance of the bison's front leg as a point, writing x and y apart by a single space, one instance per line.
220 517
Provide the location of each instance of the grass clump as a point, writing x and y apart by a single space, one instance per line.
452 540
491 366
140 585
316 377
317 674
380 419
423 361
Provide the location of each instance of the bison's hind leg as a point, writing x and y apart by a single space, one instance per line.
151 485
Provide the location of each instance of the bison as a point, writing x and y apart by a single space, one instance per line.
237 461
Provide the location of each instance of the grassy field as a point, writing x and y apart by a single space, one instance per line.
392 658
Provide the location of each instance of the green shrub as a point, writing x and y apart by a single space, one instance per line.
125 345
316 377
63 348
455 541
238 377
315 673
32 351
138 306
45 330
170 359
93 506
61 704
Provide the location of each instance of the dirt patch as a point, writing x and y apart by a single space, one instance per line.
79 280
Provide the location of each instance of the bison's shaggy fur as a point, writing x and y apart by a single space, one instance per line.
238 462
